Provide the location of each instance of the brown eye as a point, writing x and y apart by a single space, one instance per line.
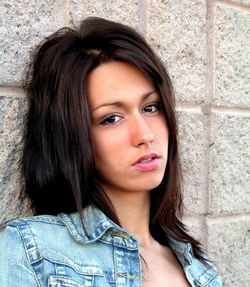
152 108
111 119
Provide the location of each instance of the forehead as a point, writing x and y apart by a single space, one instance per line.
115 81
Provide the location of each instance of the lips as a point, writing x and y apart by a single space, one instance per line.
147 158
147 162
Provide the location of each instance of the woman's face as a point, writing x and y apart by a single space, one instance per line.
129 131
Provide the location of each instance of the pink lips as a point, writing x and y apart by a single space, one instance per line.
147 162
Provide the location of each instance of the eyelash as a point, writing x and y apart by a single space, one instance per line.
105 120
156 105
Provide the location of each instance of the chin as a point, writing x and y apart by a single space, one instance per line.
151 183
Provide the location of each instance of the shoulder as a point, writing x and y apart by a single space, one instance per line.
32 232
17 253
49 238
201 273
42 249
23 228
46 219
32 247
28 234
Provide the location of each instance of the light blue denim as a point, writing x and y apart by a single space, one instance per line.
59 251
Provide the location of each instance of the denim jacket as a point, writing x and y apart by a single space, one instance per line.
63 251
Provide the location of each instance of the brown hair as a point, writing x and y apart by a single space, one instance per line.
58 163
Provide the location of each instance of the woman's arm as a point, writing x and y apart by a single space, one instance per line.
15 269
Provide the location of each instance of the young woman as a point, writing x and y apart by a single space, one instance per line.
101 169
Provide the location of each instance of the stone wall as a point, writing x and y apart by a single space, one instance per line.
206 48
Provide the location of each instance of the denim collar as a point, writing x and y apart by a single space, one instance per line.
95 225
181 249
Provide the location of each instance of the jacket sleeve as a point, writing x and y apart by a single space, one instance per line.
15 269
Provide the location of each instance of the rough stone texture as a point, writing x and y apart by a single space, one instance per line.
195 227
11 125
23 24
229 247
192 158
126 11
232 35
242 1
176 29
230 164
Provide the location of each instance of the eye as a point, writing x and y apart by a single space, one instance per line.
152 108
110 120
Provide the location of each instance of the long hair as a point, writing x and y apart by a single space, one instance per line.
58 163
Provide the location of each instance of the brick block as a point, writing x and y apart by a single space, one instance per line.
232 74
242 1
230 164
22 26
177 31
195 226
229 247
11 125
191 134
123 11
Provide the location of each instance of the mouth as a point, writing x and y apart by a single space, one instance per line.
147 162
147 158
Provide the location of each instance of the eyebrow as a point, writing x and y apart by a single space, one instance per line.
120 104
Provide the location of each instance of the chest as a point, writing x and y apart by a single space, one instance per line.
162 269
100 265
163 278
114 268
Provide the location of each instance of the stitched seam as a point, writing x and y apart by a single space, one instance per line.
28 258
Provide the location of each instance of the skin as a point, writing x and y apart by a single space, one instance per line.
133 128
127 123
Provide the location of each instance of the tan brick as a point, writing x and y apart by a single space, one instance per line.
192 150
23 25
230 164
123 11
177 30
195 226
229 247
232 74
11 124
242 1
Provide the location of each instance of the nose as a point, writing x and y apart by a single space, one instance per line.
141 132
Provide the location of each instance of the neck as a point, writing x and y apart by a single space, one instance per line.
133 211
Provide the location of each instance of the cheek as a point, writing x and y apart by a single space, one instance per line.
165 133
107 146
164 128
99 144
161 130
163 138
